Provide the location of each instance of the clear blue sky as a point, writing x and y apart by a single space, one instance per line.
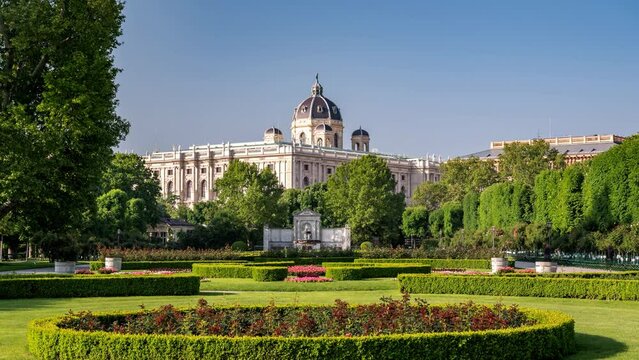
442 77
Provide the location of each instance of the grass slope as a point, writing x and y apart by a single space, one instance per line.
606 329
252 285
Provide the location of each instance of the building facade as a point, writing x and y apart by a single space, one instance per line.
574 148
311 155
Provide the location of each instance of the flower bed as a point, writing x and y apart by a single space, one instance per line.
388 330
436 263
306 270
306 279
357 271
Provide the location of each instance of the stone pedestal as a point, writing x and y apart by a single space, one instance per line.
497 263
545 267
113 263
64 267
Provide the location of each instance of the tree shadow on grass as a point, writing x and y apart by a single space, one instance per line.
596 347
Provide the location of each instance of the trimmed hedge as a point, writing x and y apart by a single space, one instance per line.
551 338
99 285
269 273
540 286
236 271
436 263
308 260
345 273
271 263
166 264
365 271
627 275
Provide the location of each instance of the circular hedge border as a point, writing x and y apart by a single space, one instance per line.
551 338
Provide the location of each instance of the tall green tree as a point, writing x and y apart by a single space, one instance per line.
503 205
58 123
522 162
470 207
430 195
127 172
415 222
462 176
250 194
361 194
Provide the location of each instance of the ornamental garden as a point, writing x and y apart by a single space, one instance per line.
240 304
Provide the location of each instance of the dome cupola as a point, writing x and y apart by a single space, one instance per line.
360 140
273 135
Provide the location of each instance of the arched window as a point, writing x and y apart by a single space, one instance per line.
328 143
366 147
357 146
204 190
320 142
305 181
336 141
189 189
302 138
169 188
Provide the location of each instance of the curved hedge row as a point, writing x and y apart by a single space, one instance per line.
262 272
99 285
551 338
602 289
365 271
435 263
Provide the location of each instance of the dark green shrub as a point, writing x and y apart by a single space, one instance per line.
306 260
271 263
392 270
510 285
435 263
344 273
366 245
551 338
98 285
239 246
269 273
222 270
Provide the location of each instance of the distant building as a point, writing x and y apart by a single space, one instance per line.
311 155
574 148
168 229
307 234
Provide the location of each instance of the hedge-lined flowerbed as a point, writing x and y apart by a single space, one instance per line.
602 289
435 263
552 337
98 285
308 260
626 275
357 272
167 264
241 271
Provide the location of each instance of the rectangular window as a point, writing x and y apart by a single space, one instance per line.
305 166
218 169
203 170
156 173
163 234
169 172
403 177
189 171
329 171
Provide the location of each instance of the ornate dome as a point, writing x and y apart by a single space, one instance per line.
360 132
317 106
273 130
323 127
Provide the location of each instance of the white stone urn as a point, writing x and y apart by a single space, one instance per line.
545 267
64 267
497 263
113 263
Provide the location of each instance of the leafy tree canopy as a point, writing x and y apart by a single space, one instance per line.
462 176
58 123
522 162
430 195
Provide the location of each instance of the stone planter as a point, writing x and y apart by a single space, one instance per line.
497 263
545 267
64 267
113 263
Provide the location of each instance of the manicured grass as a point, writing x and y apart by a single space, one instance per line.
252 285
23 265
605 329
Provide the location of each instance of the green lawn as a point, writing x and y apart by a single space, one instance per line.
23 265
605 329
252 285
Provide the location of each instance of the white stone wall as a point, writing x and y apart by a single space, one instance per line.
339 238
277 238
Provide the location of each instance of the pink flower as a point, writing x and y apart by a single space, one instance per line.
309 279
306 270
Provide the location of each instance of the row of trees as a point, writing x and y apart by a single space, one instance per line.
535 197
